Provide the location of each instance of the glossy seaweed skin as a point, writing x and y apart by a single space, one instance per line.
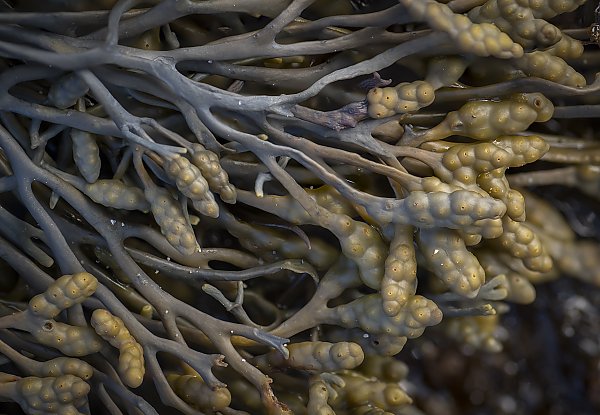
224 208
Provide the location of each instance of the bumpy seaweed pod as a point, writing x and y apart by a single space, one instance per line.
550 9
359 241
440 205
63 293
400 273
496 185
459 161
362 244
566 48
402 98
360 390
86 154
317 356
332 200
217 178
462 163
542 64
65 92
445 71
318 396
486 120
197 394
131 355
169 217
70 340
116 194
518 22
525 149
111 193
367 314
522 242
519 289
192 184
476 331
63 366
449 259
60 395
480 39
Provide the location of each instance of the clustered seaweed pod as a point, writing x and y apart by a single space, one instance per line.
228 208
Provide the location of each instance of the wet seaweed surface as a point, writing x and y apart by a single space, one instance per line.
299 207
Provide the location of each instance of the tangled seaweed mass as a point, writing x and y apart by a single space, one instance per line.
250 206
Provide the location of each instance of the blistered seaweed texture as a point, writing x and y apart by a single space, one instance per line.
550 9
116 194
70 340
458 209
449 259
518 22
266 207
64 366
544 65
519 289
86 155
367 314
217 178
131 355
523 243
61 395
400 99
65 292
480 39
171 220
400 274
359 391
487 120
193 390
192 184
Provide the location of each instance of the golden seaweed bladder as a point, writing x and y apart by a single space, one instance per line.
254 208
